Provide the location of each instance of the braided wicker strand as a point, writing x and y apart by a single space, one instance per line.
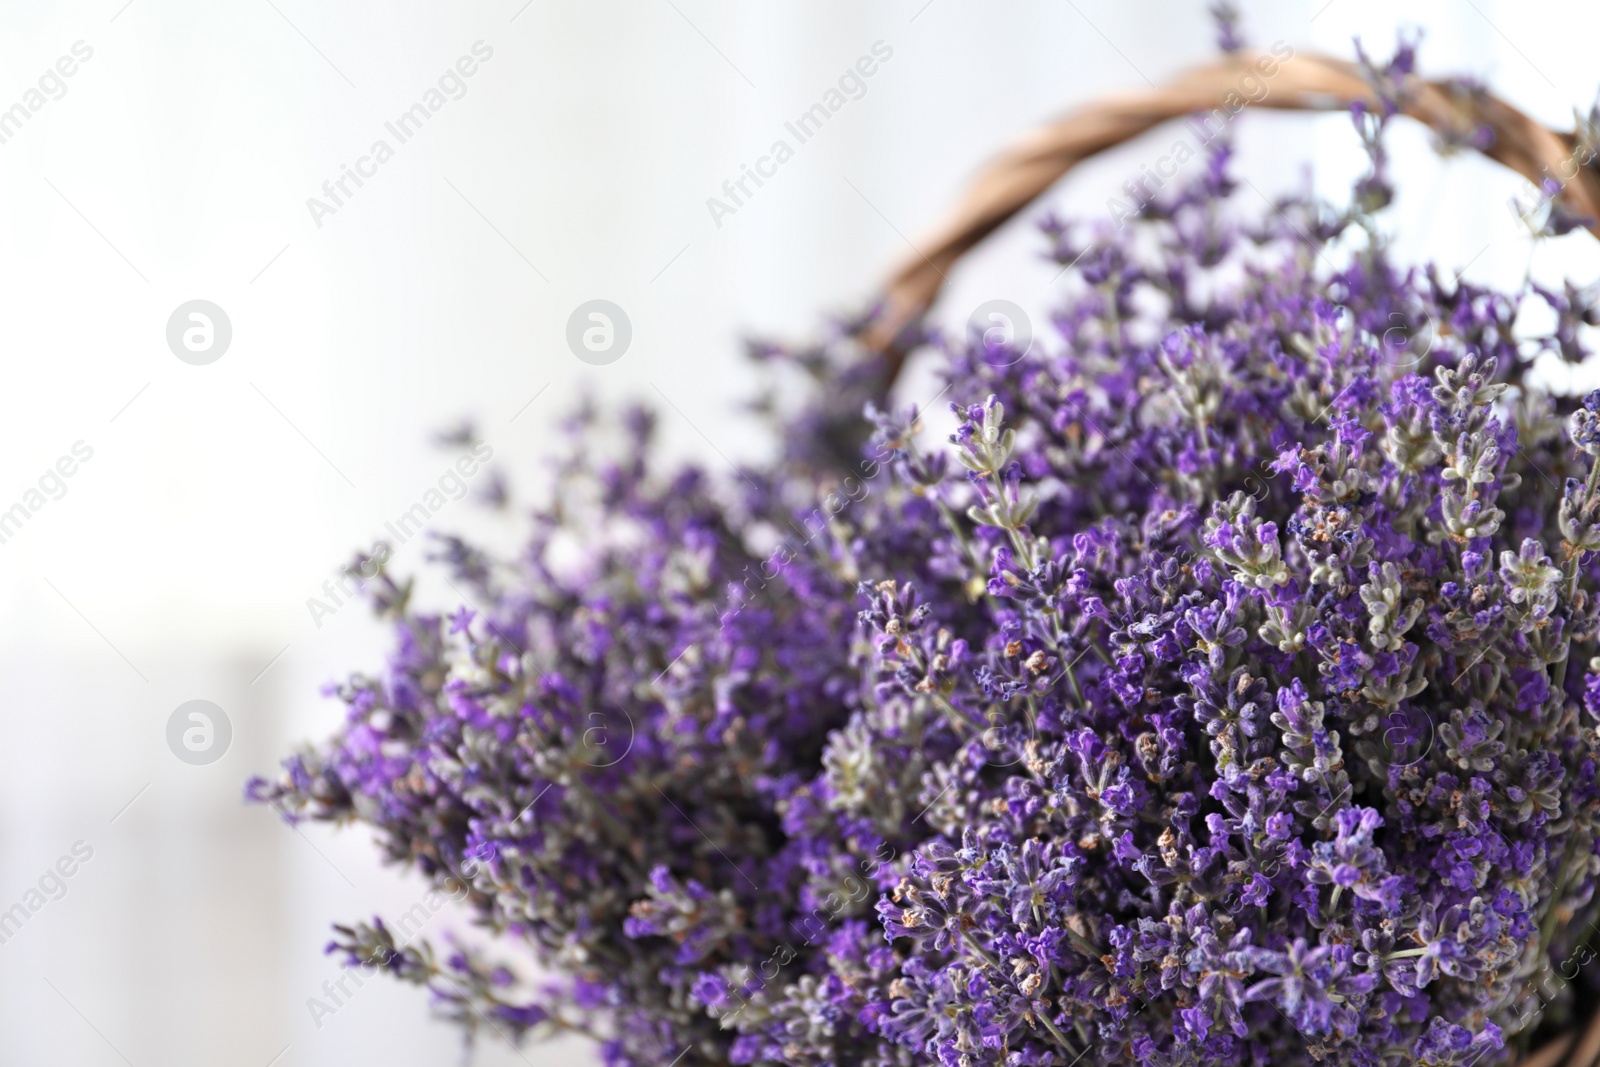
1020 174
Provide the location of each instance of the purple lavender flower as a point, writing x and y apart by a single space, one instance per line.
1206 699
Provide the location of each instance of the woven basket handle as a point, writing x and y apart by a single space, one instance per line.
1017 177
1022 172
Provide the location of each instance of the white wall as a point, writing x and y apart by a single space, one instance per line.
177 166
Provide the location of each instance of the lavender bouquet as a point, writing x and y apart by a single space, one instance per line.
1219 693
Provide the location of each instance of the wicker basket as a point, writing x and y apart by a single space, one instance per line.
1020 174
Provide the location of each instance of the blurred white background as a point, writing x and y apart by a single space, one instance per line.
177 166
